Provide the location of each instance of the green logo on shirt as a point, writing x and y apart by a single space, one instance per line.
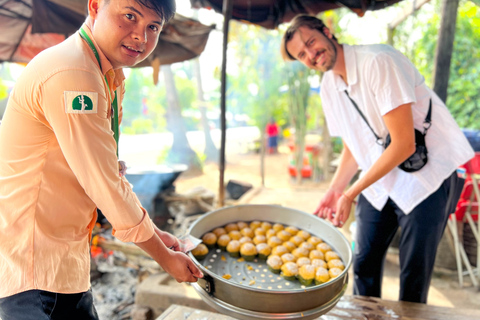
82 102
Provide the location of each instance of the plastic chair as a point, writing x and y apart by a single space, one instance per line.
467 211
460 254
473 174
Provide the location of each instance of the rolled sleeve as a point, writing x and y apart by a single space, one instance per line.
139 233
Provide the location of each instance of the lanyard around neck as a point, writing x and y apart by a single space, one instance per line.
114 122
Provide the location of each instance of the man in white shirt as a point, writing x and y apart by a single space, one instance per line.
392 98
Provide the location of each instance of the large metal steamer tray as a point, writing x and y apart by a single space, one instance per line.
254 292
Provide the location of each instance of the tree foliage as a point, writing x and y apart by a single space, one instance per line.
463 89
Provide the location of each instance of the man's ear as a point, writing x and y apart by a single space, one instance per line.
327 32
93 6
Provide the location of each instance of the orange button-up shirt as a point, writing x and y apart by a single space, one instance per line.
57 164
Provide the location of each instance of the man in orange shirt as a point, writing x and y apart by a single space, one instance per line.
58 163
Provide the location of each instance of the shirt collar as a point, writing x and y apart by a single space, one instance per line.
350 66
107 68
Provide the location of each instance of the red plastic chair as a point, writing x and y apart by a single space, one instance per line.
467 211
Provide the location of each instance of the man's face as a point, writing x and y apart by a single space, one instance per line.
125 31
313 49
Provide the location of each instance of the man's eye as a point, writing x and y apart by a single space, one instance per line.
154 28
300 56
130 16
311 42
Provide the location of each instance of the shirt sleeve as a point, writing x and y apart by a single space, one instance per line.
392 77
86 141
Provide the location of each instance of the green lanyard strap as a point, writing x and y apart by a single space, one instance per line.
114 122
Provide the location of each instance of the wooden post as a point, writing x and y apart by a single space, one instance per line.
443 54
227 14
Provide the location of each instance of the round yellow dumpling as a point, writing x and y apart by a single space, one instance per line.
235 235
279 250
289 245
274 263
314 240
233 248
283 235
300 252
210 239
245 240
223 241
266 225
315 254
296 240
306 274
336 263
278 227
319 263
263 250
321 275
307 246
248 251
231 227
200 251
304 234
247 232
289 271
259 239
331 255
270 233
302 261
288 257
259 232
274 241
292 230
323 247
219 231
255 224
242 225
334 272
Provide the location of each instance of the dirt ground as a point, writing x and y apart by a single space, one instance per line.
279 188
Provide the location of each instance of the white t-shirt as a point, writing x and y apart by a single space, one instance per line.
380 79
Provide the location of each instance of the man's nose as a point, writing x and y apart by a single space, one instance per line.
140 34
311 53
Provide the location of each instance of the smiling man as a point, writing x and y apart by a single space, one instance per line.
58 163
370 92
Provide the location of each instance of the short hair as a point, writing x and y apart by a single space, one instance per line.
299 21
164 8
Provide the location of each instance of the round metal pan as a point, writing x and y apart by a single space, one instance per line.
259 300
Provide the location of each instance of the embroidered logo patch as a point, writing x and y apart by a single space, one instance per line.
81 102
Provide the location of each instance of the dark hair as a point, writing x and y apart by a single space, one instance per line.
299 21
164 8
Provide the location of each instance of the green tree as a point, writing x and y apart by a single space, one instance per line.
463 89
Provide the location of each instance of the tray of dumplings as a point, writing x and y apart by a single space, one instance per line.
252 252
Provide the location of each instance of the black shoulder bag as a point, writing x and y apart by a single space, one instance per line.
419 158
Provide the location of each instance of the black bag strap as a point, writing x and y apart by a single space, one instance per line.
427 123
379 140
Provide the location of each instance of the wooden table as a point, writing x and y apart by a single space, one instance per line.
350 308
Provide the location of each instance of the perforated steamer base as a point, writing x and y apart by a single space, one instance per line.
254 274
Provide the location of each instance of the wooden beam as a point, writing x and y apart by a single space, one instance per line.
227 15
443 54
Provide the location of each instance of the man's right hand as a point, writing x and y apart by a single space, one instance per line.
181 267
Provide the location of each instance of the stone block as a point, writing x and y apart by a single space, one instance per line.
160 291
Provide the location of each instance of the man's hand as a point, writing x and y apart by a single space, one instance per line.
168 239
328 205
180 267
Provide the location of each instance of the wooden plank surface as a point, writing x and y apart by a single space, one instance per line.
350 308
